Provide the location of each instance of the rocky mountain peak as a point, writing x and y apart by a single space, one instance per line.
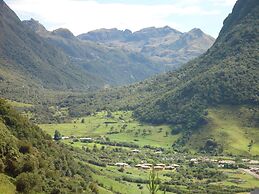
35 26
63 32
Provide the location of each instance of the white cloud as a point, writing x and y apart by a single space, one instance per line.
83 16
223 2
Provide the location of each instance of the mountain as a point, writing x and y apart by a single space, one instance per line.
34 61
227 74
111 65
30 65
194 98
164 45
31 162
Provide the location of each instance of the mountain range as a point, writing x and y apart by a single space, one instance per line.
226 75
211 103
163 45
34 61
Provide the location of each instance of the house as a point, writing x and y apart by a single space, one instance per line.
138 165
135 151
254 162
147 164
145 167
214 160
158 152
86 139
226 162
194 160
169 168
175 165
121 164
255 170
162 165
158 168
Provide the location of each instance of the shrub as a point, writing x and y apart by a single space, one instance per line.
25 148
26 182
94 188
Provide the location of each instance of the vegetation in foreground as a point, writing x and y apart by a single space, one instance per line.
31 162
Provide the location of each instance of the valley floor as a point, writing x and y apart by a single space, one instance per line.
116 143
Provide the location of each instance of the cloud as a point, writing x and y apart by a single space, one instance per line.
82 16
223 2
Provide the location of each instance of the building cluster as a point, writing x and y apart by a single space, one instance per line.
148 166
255 170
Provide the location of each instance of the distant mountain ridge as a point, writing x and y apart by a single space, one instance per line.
34 58
111 65
108 35
164 45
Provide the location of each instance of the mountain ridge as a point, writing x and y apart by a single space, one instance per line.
164 45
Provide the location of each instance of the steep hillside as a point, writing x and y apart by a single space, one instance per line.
164 45
226 74
230 129
31 162
27 60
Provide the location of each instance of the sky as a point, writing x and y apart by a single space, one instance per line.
81 16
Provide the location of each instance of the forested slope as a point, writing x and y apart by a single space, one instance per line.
34 162
226 74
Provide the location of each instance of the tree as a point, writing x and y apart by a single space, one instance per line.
250 145
153 185
57 135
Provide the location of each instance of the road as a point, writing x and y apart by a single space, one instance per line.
250 172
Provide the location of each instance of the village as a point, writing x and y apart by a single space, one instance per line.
246 165
252 166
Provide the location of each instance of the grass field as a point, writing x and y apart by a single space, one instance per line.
111 179
239 178
224 125
121 127
230 129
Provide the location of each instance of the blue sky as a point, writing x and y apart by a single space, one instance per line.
81 16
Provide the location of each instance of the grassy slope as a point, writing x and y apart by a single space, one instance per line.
248 181
227 125
229 128
94 126
6 186
18 104
106 177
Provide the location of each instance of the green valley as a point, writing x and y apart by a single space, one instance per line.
70 124
118 126
116 137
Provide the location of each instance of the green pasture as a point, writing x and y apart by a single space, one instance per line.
121 127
